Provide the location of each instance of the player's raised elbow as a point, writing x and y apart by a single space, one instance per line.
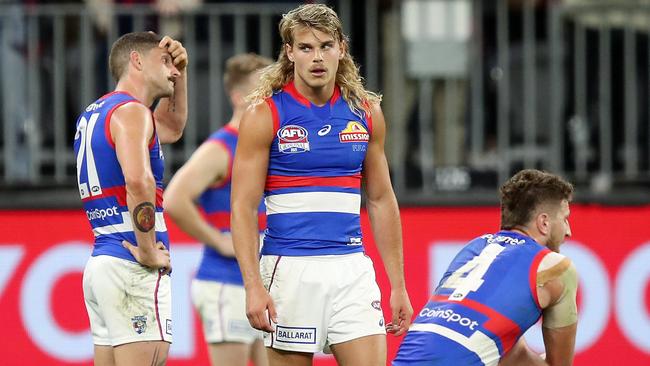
176 134
170 136
171 205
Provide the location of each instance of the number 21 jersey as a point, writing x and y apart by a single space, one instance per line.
101 183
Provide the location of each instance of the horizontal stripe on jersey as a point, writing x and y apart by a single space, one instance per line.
119 193
126 225
336 202
274 182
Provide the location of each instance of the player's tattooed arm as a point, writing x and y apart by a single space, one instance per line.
172 104
171 113
144 216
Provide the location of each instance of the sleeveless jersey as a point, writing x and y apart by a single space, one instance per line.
313 187
101 182
485 301
215 203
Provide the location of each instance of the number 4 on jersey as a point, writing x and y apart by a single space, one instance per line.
469 277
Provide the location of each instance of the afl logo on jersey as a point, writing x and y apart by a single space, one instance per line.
293 139
354 132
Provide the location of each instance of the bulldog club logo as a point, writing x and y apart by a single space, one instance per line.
139 323
293 139
354 132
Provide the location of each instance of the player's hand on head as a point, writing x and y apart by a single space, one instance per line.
259 308
401 312
157 259
176 50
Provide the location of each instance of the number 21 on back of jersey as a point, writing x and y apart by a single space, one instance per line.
469 277
88 185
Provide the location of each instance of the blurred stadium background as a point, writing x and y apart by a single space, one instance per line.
474 90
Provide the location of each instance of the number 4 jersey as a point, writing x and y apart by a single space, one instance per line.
485 301
101 182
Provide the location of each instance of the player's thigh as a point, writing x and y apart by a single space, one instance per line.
356 306
229 354
364 351
258 353
300 289
279 357
222 308
151 353
104 356
93 279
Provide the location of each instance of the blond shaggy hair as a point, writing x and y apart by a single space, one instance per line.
280 73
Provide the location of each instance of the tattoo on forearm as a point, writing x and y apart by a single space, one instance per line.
144 216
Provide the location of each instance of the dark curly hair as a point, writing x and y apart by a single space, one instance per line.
522 194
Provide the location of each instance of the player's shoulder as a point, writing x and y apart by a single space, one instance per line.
262 109
132 110
218 142
258 124
555 266
260 114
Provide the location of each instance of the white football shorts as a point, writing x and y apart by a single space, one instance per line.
222 308
126 302
321 300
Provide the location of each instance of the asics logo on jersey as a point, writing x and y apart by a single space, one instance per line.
450 316
325 130
293 139
102 213
354 132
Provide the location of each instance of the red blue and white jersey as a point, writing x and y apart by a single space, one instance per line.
101 182
485 301
313 188
215 203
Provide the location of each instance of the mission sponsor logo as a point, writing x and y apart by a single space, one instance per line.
354 132
293 139
295 335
